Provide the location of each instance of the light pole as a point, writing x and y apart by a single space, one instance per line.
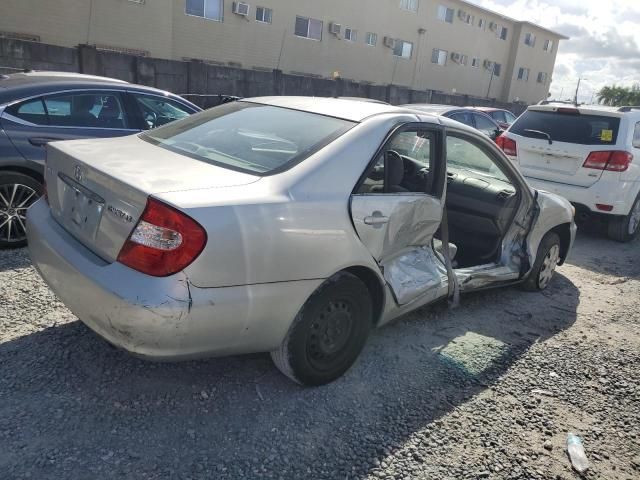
493 69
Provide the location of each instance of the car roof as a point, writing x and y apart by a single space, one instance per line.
433 108
16 86
346 109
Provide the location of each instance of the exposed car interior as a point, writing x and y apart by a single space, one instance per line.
481 200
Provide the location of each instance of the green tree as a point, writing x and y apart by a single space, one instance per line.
619 96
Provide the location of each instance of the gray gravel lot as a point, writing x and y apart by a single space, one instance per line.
488 390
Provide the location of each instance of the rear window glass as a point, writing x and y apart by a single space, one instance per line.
567 127
249 137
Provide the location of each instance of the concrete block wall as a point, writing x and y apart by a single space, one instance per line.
200 82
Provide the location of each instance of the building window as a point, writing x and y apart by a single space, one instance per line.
523 74
439 57
350 34
482 23
542 77
475 62
530 39
411 5
469 19
308 28
445 14
403 49
210 9
497 69
464 60
502 32
372 39
264 15
548 45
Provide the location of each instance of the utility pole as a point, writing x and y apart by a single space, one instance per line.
575 99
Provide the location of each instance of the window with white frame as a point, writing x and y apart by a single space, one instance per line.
209 9
439 57
482 24
411 5
264 15
542 77
502 32
403 49
475 62
497 69
445 14
469 19
464 60
523 74
530 39
548 45
372 39
350 34
308 28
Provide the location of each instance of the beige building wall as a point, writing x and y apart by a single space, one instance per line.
161 29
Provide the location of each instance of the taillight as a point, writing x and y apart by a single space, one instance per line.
507 145
613 161
164 241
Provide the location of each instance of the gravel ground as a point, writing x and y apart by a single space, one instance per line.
488 390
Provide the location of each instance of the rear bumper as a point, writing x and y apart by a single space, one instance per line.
618 194
160 318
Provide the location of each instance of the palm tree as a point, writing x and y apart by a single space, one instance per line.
619 96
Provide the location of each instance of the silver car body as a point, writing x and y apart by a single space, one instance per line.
272 240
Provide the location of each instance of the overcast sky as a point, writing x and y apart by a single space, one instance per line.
604 48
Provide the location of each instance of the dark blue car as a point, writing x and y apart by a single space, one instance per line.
41 107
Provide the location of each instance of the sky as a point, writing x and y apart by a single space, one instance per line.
604 48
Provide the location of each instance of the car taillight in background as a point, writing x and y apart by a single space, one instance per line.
164 241
613 161
507 145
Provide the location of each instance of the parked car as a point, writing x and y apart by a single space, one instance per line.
468 116
289 225
586 154
40 107
504 118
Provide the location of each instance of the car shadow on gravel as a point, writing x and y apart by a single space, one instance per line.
74 407
14 259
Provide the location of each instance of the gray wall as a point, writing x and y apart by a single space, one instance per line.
201 82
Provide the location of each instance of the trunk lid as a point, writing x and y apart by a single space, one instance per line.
98 189
559 162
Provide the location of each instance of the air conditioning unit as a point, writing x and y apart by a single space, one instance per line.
455 57
488 64
240 8
462 15
335 28
389 42
493 26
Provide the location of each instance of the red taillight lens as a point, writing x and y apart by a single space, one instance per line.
507 145
614 161
164 241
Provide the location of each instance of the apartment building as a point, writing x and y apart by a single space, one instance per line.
446 45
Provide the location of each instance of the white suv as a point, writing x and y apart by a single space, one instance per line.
588 154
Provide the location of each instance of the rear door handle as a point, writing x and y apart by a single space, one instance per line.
41 141
376 219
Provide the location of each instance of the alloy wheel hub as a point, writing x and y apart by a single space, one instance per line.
15 199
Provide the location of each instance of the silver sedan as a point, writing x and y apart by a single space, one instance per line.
288 225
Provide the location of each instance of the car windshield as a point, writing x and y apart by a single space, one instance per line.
250 137
568 127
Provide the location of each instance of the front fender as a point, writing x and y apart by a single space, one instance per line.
553 212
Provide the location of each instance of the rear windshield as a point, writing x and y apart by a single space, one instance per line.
568 127
249 137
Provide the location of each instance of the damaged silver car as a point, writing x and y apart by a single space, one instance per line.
288 225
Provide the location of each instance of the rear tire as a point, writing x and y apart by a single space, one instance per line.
544 267
17 193
328 333
625 228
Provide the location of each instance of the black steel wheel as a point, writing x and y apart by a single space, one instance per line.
329 332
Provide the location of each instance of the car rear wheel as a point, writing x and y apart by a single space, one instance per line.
17 193
625 228
328 333
545 264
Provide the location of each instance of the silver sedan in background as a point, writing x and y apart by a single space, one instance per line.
288 225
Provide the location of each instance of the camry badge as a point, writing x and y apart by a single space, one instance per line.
122 215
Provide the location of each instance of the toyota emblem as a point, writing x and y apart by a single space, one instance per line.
78 174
